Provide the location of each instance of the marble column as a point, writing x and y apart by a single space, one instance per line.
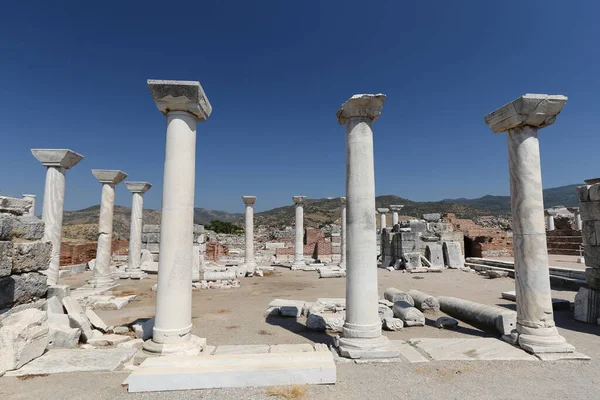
361 335
395 208
521 119
57 162
109 178
135 232
184 104
343 234
382 218
578 223
299 244
31 198
550 223
249 261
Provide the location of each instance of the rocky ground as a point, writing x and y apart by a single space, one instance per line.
235 316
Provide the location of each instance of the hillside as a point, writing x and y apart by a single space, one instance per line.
83 224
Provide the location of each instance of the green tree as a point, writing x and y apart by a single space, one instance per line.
223 227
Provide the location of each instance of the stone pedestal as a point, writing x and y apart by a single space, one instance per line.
299 243
382 218
249 261
361 335
31 198
550 223
343 233
137 189
57 161
183 103
395 208
108 178
522 119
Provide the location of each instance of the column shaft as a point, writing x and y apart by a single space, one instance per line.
249 235
343 238
299 244
394 218
173 322
362 319
102 274
382 221
52 215
135 234
534 300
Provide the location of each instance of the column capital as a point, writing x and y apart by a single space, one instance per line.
249 200
343 200
592 181
138 187
180 96
112 176
361 105
534 110
382 210
298 199
63 158
396 207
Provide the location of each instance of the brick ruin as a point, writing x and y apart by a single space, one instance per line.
75 252
482 241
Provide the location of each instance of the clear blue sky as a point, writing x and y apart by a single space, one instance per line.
276 73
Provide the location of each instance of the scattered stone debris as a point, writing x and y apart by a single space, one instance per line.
409 315
424 301
446 323
392 324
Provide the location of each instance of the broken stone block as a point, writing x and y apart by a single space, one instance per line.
60 291
95 320
417 226
333 322
108 340
60 333
409 315
432 217
114 303
21 289
120 330
77 317
439 227
446 323
132 344
23 337
143 328
292 308
587 305
424 301
453 257
14 205
592 276
412 260
393 295
54 306
392 324
26 227
6 252
332 273
435 255
384 312
31 256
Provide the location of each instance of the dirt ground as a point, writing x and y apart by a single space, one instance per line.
236 316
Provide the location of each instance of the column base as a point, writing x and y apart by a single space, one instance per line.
544 343
365 347
191 347
298 264
132 274
102 282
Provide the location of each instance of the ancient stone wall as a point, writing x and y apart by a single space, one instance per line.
23 256
72 253
482 241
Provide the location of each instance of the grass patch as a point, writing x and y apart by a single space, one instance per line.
287 392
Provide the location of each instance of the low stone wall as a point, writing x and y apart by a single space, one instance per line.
80 253
23 256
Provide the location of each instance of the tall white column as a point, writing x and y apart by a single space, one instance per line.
578 223
299 244
343 234
361 336
57 161
184 103
249 261
395 208
31 198
108 178
550 223
382 218
135 232
522 118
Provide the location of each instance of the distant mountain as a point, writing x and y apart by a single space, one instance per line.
563 195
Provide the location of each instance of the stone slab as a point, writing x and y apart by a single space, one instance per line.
487 349
75 360
563 356
109 340
242 349
292 348
240 370
408 352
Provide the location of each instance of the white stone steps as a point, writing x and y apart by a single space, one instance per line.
232 370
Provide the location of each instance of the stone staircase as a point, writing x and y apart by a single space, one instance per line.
564 242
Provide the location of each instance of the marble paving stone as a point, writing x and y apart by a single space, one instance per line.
75 360
291 348
243 349
408 352
109 340
562 356
470 349
232 370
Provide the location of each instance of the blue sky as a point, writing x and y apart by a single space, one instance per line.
276 72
